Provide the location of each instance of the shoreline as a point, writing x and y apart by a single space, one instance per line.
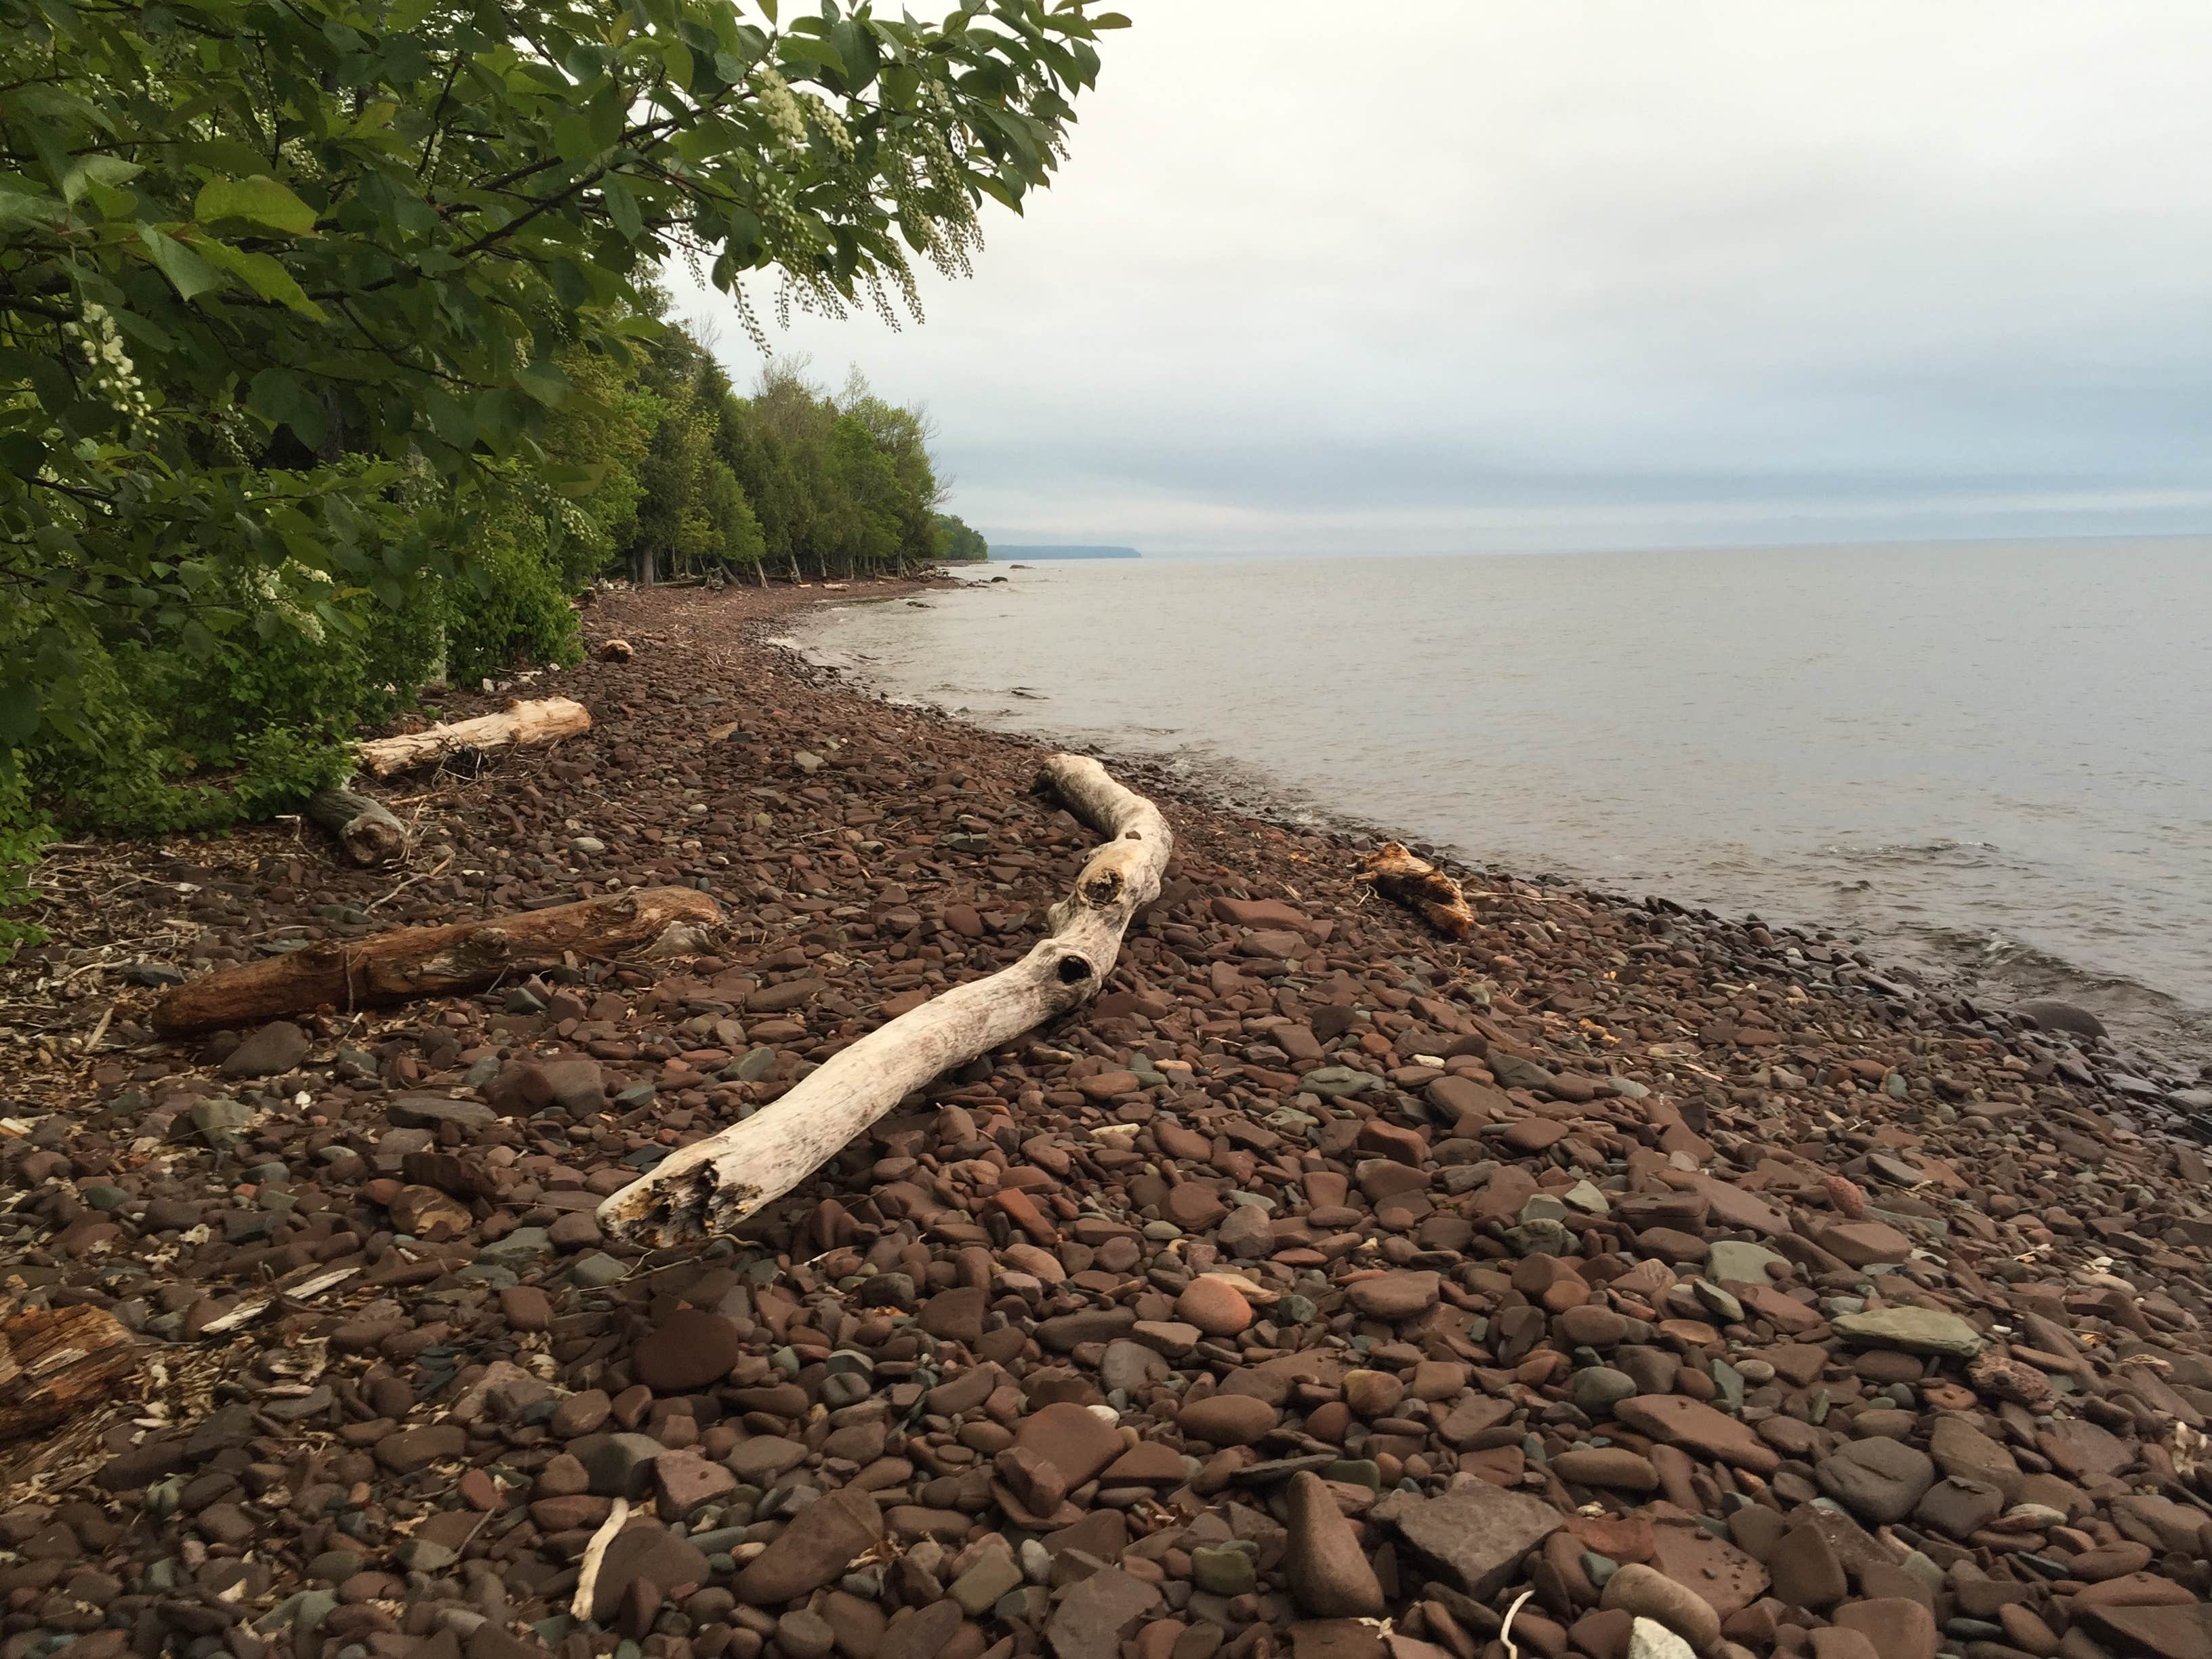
1223 785
1319 1265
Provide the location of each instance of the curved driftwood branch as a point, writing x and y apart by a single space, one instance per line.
425 962
364 826
714 1184
541 721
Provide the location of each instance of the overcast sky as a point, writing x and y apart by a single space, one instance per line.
1461 275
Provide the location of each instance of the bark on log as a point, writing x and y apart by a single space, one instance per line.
543 722
1420 887
428 962
54 1362
712 1185
364 826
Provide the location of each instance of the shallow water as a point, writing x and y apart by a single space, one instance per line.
1989 758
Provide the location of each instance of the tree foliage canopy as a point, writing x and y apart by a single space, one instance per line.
330 349
303 281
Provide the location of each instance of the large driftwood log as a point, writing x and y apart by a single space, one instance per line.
428 962
714 1184
541 721
364 826
54 1362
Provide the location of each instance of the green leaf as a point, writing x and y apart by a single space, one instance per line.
259 200
545 381
573 139
19 712
284 399
18 207
263 275
622 208
189 274
805 49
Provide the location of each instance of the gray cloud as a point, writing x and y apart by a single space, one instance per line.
1438 276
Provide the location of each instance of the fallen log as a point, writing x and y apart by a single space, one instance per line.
543 722
1419 886
712 1185
428 962
54 1362
364 826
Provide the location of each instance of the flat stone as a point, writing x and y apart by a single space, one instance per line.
1073 1439
1475 1535
1095 1614
276 1048
823 1539
1396 1296
1879 1480
1677 1421
1909 1330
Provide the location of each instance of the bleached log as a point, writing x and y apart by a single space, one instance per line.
363 825
541 721
426 962
714 1184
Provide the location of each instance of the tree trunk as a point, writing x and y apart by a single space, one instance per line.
714 1184
543 722
364 826
54 1362
427 962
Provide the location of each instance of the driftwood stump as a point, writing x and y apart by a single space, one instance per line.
55 1362
543 722
714 1184
1419 886
364 826
427 962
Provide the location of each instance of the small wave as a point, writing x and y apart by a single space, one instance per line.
1901 851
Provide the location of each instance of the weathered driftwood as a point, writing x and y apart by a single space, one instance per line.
364 826
543 722
714 1184
427 962
54 1362
1420 887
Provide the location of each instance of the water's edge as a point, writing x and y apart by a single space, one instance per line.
2167 1038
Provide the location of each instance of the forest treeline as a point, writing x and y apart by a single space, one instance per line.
333 362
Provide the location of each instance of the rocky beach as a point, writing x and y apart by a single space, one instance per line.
1621 1282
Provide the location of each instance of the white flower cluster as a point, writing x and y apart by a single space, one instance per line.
270 588
780 107
832 124
113 375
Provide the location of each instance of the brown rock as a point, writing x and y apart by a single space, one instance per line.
1394 1296
1677 1421
1330 1575
1475 1533
689 1349
1227 1420
1215 1306
822 1541
1072 1438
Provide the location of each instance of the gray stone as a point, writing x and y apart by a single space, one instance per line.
1745 1264
428 1111
1911 1330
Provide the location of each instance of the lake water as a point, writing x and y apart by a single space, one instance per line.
1993 760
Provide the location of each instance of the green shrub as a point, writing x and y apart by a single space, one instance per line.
511 606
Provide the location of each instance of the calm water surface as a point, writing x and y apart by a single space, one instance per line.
1992 759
